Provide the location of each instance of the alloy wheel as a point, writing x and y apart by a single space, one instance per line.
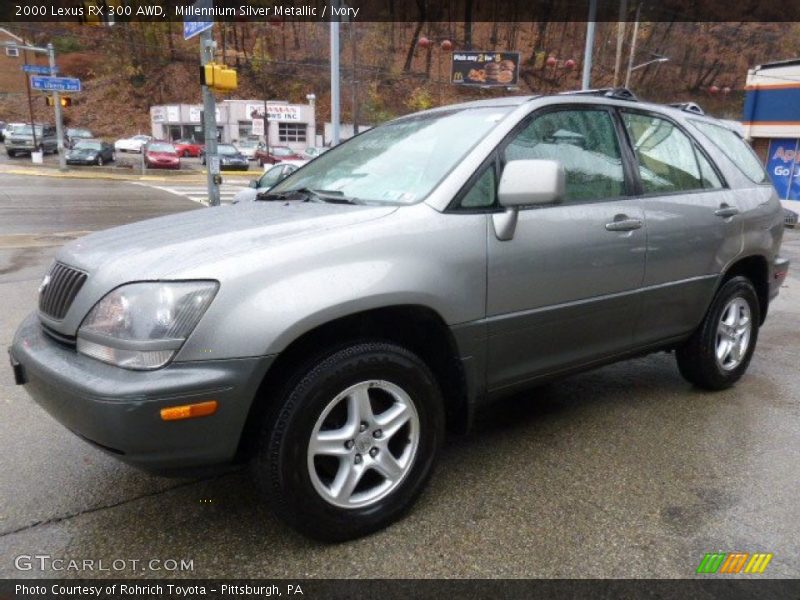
733 333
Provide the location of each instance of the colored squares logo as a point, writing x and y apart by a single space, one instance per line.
733 563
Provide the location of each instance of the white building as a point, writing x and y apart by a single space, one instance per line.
290 125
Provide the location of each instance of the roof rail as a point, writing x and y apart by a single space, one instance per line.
690 107
619 93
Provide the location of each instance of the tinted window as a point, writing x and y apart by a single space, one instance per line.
710 178
584 141
666 155
734 148
483 191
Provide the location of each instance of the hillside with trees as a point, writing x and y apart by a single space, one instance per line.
385 70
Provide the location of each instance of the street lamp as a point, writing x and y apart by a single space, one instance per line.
660 59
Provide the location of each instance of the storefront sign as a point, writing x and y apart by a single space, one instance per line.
258 127
275 112
783 166
194 114
485 68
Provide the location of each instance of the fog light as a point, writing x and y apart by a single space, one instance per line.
189 411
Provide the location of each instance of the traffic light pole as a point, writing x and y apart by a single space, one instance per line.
210 122
62 158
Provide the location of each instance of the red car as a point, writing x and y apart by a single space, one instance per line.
161 155
188 148
277 154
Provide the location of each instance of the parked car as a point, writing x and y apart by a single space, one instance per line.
230 159
790 218
21 139
314 151
400 282
188 148
248 148
74 134
276 154
2 130
90 152
159 154
132 144
8 128
270 178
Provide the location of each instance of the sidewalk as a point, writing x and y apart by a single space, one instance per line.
115 173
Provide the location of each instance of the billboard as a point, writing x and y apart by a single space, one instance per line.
485 68
783 166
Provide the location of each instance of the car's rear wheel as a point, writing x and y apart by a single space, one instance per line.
352 441
719 351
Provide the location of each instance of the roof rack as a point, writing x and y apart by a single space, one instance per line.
619 93
690 107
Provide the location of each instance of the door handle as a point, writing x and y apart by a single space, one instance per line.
726 211
623 223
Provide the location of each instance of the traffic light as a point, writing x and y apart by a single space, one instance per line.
218 77
65 101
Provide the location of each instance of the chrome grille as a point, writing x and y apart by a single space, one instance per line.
59 289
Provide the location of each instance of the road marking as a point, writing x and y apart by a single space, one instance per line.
197 193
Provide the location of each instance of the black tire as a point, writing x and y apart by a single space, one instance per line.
99 161
697 360
281 462
11 153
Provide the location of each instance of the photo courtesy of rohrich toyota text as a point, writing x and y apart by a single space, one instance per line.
385 299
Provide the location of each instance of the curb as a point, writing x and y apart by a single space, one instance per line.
196 177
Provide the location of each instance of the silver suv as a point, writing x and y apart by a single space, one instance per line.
21 139
332 330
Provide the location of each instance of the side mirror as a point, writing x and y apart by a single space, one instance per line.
531 183
254 184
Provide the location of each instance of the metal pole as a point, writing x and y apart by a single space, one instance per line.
62 157
587 54
355 83
209 120
633 46
335 81
623 9
30 101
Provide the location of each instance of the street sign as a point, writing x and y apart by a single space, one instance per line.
191 25
55 84
213 165
40 69
485 68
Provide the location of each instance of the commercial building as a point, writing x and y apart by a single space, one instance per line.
772 124
290 125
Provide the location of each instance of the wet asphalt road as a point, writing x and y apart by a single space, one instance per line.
625 471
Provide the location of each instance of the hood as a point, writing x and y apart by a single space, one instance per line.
162 248
83 151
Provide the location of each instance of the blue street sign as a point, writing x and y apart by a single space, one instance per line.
55 84
39 69
191 25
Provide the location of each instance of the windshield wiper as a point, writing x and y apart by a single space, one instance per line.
305 194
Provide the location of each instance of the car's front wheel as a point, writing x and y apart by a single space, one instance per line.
100 161
719 351
352 441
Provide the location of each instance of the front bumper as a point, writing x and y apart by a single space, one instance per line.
119 410
780 269
81 161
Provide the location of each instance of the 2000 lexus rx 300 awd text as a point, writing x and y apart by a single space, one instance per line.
331 331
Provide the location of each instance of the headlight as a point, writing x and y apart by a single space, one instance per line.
142 326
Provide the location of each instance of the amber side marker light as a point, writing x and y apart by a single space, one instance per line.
189 411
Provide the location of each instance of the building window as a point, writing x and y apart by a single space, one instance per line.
245 129
291 132
12 51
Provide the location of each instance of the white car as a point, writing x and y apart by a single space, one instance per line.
9 128
247 148
132 144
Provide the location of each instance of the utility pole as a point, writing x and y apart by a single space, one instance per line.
62 158
623 9
586 80
210 121
633 46
335 118
30 101
355 83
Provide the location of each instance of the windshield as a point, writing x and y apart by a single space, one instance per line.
226 150
161 148
400 162
273 176
248 143
26 130
79 133
88 146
